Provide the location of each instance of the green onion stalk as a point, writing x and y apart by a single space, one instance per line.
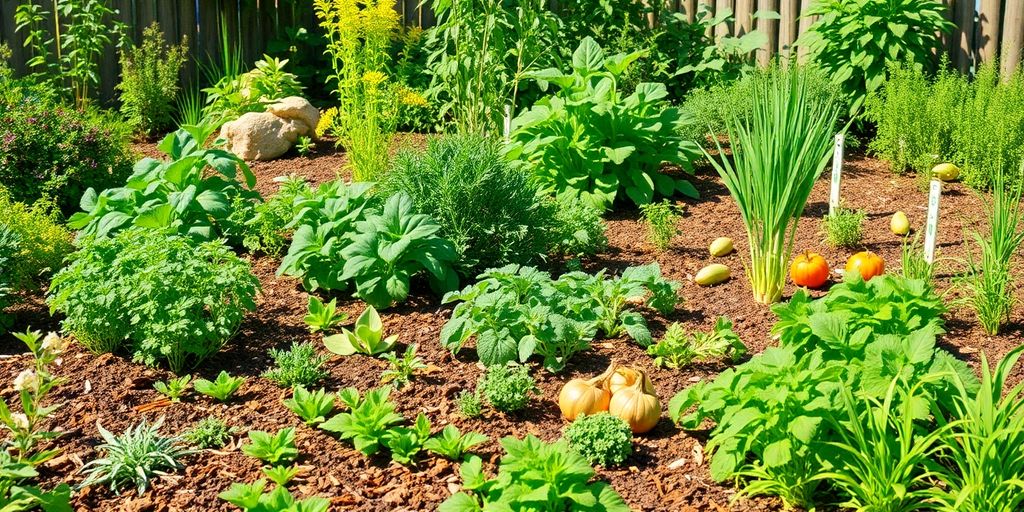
780 145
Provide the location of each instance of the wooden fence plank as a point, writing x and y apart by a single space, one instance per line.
1013 39
963 35
770 27
788 11
989 21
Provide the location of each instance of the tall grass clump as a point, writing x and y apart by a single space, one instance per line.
779 150
989 279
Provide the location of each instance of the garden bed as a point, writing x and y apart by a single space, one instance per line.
666 470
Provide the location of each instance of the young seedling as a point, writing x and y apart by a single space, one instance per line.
452 444
406 443
273 449
366 337
401 370
222 389
312 407
323 317
174 388
282 475
662 220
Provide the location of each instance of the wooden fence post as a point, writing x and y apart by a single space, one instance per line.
988 29
744 10
770 28
725 28
963 35
1013 37
788 13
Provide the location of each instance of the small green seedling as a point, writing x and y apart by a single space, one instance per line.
174 388
365 337
222 389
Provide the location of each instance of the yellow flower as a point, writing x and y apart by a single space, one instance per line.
411 98
374 78
327 118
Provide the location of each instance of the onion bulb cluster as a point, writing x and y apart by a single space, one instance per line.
621 391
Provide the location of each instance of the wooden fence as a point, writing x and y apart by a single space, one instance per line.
985 29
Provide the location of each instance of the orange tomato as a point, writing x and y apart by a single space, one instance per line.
809 269
867 263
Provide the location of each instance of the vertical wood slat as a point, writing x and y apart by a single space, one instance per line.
770 28
1013 37
989 21
789 11
803 26
744 22
963 34
725 28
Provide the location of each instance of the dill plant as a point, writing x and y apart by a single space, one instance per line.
661 220
780 148
843 227
359 36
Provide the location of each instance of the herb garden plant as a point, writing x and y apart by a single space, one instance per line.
591 140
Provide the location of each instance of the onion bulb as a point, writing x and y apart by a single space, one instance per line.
625 377
580 396
641 410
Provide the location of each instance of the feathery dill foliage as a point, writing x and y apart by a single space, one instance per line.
662 220
210 432
359 36
843 227
780 148
989 280
298 366
149 80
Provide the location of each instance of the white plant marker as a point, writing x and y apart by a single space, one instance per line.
931 229
508 123
837 170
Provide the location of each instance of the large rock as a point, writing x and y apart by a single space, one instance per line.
298 109
268 135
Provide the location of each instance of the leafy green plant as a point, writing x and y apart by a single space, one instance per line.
990 282
281 475
507 387
300 365
393 245
274 448
368 421
912 262
534 475
600 438
779 150
486 207
452 444
36 242
174 388
305 146
10 245
469 404
70 54
661 220
406 443
179 195
209 432
149 80
678 349
32 386
713 59
233 93
17 494
627 137
366 336
312 406
843 227
985 470
323 317
222 388
847 41
267 229
478 56
515 312
400 370
251 498
172 298
134 458
580 228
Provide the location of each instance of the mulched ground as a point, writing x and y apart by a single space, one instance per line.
666 471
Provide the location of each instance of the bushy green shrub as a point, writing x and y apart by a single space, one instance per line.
848 42
579 228
42 241
300 365
10 246
209 432
236 94
172 298
149 80
488 209
843 227
48 150
977 124
507 387
267 228
591 140
600 438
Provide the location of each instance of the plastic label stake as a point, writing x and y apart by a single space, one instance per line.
931 229
837 171
508 123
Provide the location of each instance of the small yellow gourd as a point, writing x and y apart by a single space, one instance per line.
635 406
579 396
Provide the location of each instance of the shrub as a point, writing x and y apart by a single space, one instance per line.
209 432
149 80
135 457
856 51
10 246
507 387
42 241
843 227
487 208
600 438
267 229
56 152
592 141
196 193
469 404
298 366
174 299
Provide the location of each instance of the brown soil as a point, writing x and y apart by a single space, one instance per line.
666 471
